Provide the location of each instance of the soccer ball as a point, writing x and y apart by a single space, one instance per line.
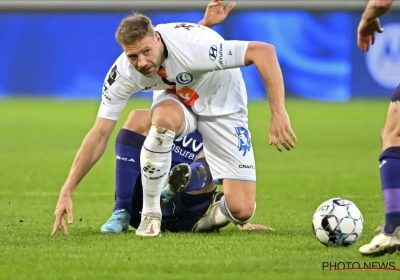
337 222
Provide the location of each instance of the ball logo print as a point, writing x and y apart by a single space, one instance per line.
337 222
383 59
184 78
213 52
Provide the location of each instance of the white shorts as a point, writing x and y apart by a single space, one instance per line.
190 117
227 146
226 140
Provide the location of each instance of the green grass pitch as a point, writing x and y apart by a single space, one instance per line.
336 156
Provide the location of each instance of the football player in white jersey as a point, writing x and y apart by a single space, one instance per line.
206 92
114 98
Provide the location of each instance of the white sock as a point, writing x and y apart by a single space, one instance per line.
224 210
155 162
220 218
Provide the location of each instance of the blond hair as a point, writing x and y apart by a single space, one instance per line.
134 28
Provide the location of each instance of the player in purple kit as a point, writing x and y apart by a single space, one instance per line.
388 240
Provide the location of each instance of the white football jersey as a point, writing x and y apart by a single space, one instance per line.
195 56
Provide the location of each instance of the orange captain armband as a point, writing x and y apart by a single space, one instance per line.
187 95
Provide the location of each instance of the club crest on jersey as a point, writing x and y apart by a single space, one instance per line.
244 140
184 78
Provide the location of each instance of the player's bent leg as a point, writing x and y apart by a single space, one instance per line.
238 203
168 119
388 240
227 144
236 206
155 161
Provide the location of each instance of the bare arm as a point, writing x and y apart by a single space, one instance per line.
263 56
376 9
235 54
89 153
91 150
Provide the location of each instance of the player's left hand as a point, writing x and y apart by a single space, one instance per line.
280 131
366 33
215 12
250 227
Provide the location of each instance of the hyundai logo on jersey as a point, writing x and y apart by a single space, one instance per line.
213 52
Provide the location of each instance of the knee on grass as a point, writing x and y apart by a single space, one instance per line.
237 213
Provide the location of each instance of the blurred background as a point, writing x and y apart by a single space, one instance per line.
63 49
54 56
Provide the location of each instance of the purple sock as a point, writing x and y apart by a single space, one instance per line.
198 179
127 150
390 178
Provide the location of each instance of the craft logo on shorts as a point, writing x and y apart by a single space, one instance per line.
383 58
184 78
244 140
113 76
213 52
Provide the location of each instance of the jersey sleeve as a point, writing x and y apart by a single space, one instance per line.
215 54
117 88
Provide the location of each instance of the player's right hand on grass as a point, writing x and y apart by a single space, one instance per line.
64 206
280 131
254 227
